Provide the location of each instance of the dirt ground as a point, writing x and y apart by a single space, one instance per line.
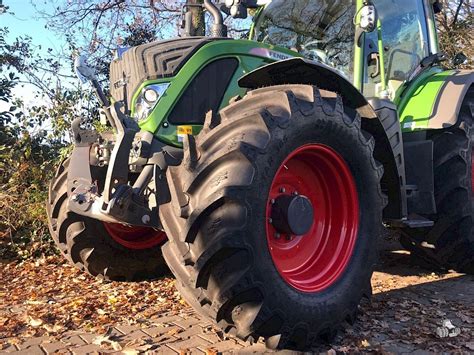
47 306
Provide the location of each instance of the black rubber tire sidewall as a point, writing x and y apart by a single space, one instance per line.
75 235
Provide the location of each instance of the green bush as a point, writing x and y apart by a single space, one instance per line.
26 166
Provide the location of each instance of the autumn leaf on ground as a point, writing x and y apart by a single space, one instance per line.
34 322
364 343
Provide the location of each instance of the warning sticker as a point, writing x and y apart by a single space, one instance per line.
183 131
409 125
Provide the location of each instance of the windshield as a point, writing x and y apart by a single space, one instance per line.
321 30
404 34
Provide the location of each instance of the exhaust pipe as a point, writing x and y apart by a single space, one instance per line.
194 23
218 28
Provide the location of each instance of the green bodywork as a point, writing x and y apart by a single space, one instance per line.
416 103
415 100
242 50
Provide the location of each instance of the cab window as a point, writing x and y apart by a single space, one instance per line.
404 33
321 30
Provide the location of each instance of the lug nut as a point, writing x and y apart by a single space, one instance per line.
273 201
270 220
282 190
277 235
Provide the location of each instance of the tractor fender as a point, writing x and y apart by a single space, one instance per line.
304 71
388 144
434 101
448 102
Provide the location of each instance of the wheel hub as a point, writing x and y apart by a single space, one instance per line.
311 250
292 214
137 238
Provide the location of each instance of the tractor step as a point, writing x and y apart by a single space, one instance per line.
413 221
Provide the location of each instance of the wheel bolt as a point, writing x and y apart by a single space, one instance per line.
289 237
277 235
296 193
282 190
270 220
273 201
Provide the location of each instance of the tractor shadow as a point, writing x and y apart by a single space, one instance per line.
407 307
404 319
395 260
409 303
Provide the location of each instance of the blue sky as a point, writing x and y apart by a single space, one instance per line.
25 21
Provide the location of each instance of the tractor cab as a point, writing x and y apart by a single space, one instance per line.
378 60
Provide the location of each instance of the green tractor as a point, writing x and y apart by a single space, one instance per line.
263 171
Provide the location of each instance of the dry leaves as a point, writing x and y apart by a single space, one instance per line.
50 297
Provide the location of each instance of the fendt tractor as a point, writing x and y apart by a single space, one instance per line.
262 171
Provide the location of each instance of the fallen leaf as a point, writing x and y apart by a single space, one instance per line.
35 322
128 351
465 318
364 343
53 328
116 345
173 331
112 300
105 339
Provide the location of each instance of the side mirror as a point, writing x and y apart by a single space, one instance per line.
368 18
84 72
239 8
460 59
235 8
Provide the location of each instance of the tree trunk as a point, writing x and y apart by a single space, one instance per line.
196 25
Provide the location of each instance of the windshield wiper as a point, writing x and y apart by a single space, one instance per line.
427 62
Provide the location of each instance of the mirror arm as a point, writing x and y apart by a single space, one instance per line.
104 101
359 35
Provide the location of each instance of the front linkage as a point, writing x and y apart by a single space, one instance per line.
134 161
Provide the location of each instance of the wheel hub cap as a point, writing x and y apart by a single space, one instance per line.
292 214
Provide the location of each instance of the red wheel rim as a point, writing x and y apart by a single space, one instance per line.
137 238
315 261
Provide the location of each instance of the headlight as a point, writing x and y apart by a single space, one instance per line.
148 99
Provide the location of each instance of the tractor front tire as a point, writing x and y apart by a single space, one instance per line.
450 243
109 251
274 217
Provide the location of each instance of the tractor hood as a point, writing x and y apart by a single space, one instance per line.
151 61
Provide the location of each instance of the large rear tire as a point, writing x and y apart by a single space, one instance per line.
234 262
450 243
110 251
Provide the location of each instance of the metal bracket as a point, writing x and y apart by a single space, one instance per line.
112 199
